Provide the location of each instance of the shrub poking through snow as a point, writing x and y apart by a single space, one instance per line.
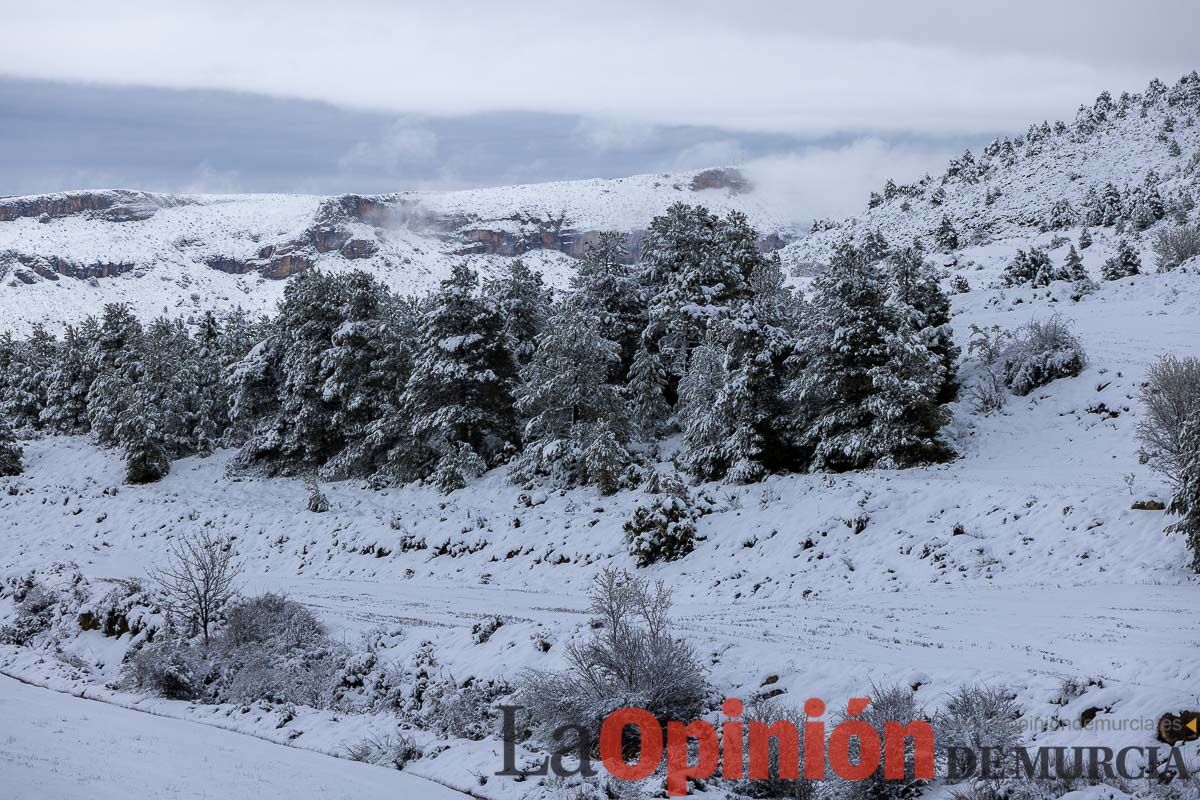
979 716
1173 246
769 712
632 658
318 503
1041 351
888 704
663 527
1169 396
390 750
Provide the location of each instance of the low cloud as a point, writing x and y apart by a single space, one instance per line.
835 182
403 144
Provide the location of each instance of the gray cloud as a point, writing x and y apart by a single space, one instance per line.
784 67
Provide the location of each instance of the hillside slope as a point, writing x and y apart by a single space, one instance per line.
63 256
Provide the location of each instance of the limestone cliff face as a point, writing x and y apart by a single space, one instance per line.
113 206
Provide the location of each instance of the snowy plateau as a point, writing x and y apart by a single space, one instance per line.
1035 559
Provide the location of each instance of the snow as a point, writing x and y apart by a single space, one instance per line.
74 749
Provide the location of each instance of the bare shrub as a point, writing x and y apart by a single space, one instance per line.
464 712
631 659
979 716
34 615
197 580
987 393
770 711
391 750
170 667
889 704
1175 245
1171 393
1040 352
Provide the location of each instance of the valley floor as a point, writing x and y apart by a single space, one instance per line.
59 747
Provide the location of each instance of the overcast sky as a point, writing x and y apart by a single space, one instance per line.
369 96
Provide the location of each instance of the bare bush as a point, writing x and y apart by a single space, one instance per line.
170 667
1170 394
390 750
977 717
197 580
1173 246
893 703
768 712
632 659
1040 352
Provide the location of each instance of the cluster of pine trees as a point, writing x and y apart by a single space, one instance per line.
702 337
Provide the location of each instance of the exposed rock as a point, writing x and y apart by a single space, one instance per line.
1175 729
122 205
359 248
722 178
1149 504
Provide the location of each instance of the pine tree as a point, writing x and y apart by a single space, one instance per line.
143 437
70 380
866 390
609 287
697 267
29 378
916 291
1126 262
946 236
11 453
1032 267
703 423
1186 501
1085 239
318 360
1073 265
522 299
646 391
116 361
460 388
565 393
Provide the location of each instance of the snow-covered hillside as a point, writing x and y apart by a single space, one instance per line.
1010 188
63 256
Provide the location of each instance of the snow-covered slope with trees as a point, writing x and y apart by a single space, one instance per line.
63 256
1145 146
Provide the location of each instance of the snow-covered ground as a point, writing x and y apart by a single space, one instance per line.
68 748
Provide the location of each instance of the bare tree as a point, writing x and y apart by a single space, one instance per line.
1169 396
198 578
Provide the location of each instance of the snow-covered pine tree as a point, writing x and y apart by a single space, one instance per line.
1085 239
646 392
460 388
1186 501
116 361
315 378
605 458
141 433
703 422
867 384
1073 265
11 453
565 393
916 291
29 377
1033 267
70 380
946 235
158 415
697 267
522 299
1126 262
607 285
